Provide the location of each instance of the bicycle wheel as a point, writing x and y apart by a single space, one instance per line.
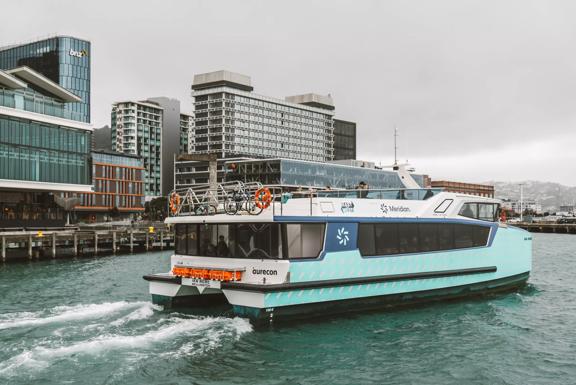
230 206
252 208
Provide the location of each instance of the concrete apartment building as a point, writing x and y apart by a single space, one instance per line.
233 122
137 130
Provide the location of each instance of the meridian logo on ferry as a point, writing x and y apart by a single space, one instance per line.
393 209
342 236
347 207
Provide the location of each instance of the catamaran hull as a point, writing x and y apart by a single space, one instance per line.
252 304
260 316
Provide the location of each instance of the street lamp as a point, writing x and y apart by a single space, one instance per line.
521 201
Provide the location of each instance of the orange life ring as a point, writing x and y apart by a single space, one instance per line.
174 202
503 216
263 198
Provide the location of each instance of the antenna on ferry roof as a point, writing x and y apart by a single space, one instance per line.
395 146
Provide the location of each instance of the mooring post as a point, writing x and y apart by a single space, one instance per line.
75 244
54 245
95 243
3 248
131 240
113 241
29 246
162 240
147 240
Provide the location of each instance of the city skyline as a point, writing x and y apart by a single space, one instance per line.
479 91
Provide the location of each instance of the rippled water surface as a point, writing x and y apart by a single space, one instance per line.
90 322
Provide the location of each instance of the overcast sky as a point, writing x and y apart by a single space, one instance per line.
480 90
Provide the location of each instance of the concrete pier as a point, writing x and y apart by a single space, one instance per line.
19 245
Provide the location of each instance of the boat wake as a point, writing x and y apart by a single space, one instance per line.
118 331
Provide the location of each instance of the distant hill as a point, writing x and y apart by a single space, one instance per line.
550 195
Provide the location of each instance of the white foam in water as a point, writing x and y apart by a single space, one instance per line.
143 312
64 314
39 357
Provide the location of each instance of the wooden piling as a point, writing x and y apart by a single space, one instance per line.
54 245
75 244
161 240
131 240
3 248
113 242
147 241
29 246
95 243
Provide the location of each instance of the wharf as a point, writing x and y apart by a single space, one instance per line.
559 228
75 242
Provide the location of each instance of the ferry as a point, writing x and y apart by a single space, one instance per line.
274 254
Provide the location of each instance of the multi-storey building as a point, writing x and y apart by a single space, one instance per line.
118 187
137 129
186 138
525 206
482 190
64 60
44 149
344 140
232 121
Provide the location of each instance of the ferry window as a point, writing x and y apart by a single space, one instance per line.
208 236
445 236
225 240
180 238
192 239
428 236
469 210
386 236
366 242
304 240
258 240
463 236
487 211
442 207
407 237
481 234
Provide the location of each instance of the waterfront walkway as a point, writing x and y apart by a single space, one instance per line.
85 241
560 228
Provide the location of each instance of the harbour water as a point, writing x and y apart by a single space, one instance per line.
89 321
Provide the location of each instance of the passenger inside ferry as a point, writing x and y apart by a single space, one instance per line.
222 247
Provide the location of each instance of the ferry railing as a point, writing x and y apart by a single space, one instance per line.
186 201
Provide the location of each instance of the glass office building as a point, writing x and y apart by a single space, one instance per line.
344 140
44 152
63 59
296 173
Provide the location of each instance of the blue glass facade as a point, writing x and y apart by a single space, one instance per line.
314 174
64 60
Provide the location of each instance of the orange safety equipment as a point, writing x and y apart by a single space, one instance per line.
503 216
208 274
263 198
174 202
